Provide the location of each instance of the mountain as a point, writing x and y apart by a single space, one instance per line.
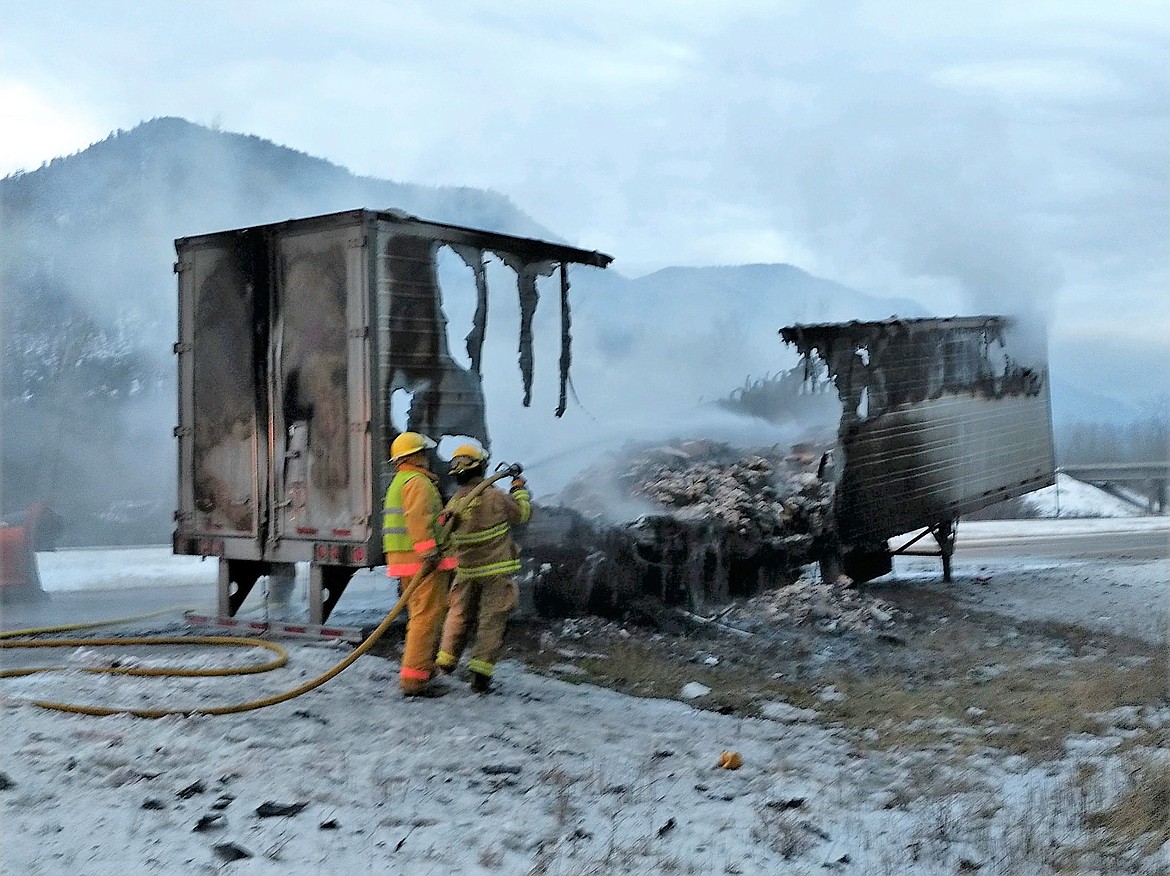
87 296
750 289
1072 404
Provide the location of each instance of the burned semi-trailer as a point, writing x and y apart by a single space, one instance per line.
293 339
905 425
939 418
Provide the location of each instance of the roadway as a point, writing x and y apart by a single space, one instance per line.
95 584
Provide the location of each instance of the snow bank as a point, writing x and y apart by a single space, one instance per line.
1072 498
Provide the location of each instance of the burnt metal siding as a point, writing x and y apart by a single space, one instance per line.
940 417
412 340
938 459
525 248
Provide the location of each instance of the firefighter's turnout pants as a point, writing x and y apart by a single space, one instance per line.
482 603
425 609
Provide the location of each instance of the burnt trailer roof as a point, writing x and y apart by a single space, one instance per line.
811 334
529 249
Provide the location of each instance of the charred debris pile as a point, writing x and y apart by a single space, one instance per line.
689 524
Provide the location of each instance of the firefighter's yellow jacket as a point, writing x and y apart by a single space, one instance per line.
482 540
409 527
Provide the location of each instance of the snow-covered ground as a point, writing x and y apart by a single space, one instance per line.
544 776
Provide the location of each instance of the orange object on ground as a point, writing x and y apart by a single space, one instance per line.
730 760
19 578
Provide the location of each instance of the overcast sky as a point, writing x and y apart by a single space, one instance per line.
975 155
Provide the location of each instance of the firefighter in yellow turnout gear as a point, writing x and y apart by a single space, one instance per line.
409 540
484 593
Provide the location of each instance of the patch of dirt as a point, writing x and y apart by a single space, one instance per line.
937 672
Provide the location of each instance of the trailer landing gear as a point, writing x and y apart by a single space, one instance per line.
944 536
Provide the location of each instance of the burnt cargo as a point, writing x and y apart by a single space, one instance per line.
293 339
940 417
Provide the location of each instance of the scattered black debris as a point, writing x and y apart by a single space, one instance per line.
153 803
331 824
5 782
70 764
839 862
209 822
661 753
305 713
581 833
616 789
191 790
890 639
277 810
792 803
966 865
223 802
815 831
667 828
231 852
501 769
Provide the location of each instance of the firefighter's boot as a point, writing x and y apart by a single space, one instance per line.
425 690
480 683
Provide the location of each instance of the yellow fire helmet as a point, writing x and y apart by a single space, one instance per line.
467 456
409 443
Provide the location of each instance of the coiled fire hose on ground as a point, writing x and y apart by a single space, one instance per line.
19 639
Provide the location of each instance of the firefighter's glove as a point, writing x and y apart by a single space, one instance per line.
517 484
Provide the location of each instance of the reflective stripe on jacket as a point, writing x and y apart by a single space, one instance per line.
482 540
409 529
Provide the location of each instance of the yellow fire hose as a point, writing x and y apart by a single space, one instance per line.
18 639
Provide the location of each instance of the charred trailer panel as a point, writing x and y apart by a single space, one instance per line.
940 417
293 339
